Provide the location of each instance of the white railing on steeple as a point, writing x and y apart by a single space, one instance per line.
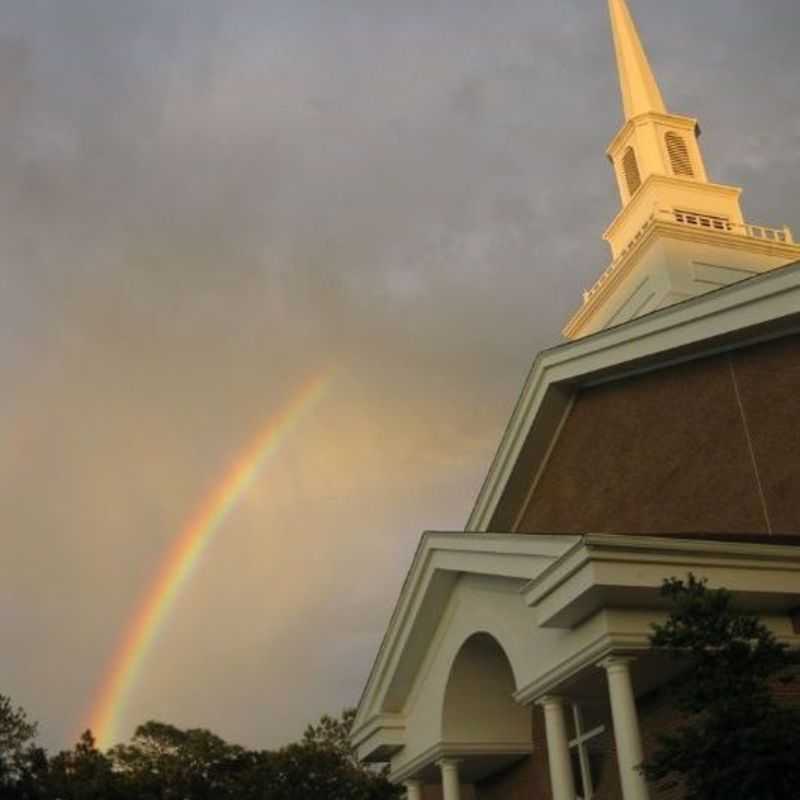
711 222
705 221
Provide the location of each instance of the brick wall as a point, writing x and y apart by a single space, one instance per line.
709 446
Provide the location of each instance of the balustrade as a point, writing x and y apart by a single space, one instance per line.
697 220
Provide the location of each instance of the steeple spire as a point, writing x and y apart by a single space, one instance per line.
678 234
640 92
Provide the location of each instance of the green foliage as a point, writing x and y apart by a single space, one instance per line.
334 734
17 750
330 739
737 743
82 773
162 762
310 770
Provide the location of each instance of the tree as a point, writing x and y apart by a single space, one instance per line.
332 735
83 773
310 771
163 762
737 743
17 745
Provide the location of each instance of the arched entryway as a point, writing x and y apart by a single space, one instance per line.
479 705
484 730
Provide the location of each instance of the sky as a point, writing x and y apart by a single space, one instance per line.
203 206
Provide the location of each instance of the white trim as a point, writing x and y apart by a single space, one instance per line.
458 750
720 320
574 587
544 462
602 646
388 730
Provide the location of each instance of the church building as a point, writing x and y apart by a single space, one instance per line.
661 439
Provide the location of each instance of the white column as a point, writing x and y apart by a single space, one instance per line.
626 728
413 790
451 784
561 779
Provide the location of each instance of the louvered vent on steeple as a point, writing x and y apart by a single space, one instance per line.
679 155
631 169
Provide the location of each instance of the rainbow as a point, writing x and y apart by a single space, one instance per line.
182 558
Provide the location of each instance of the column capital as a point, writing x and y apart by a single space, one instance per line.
451 785
413 789
553 700
617 663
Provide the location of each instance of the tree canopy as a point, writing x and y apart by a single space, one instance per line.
737 741
163 762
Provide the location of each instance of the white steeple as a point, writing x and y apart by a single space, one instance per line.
678 234
640 92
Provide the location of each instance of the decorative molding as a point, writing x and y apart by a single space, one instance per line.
587 658
458 751
668 181
718 275
656 229
553 700
616 662
577 585
689 124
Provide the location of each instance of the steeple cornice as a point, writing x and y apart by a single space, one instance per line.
704 197
689 124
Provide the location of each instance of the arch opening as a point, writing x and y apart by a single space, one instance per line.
479 705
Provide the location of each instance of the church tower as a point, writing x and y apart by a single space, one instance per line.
678 234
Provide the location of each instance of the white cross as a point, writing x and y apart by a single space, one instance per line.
579 743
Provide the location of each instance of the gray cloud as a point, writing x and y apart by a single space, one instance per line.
202 205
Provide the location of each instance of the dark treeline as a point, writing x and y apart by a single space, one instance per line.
162 762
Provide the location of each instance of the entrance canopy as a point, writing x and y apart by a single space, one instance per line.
488 624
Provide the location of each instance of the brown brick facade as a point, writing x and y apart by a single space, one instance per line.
710 446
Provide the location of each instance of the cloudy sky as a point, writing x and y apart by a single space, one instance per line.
202 205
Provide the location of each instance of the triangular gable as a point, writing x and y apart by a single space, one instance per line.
440 560
744 313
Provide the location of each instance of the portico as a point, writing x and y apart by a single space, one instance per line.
528 667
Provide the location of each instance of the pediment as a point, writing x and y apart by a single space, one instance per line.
442 559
